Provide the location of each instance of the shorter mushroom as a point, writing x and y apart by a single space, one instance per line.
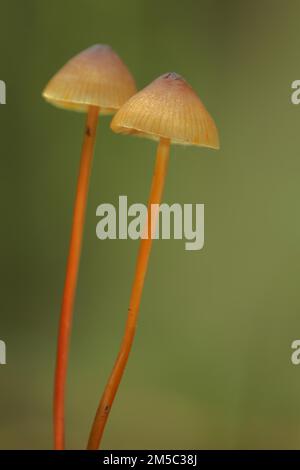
96 82
167 110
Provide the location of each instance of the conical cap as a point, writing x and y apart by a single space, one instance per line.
96 77
168 108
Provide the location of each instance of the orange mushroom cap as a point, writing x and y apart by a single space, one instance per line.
94 77
168 108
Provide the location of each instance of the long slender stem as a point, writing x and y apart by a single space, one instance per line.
66 314
111 388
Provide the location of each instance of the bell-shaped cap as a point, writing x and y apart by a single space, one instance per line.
95 77
168 108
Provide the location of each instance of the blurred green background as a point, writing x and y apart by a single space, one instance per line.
210 367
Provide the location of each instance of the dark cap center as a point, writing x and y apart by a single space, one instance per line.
172 76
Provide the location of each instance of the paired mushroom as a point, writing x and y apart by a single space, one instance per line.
169 111
95 81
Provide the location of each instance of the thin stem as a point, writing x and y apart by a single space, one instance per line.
66 314
111 388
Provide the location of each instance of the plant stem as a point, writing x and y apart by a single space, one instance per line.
111 388
66 314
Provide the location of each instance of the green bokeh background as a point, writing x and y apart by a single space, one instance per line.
210 367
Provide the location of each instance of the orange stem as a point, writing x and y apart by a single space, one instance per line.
111 388
66 314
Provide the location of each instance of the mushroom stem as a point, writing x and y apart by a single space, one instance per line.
111 388
66 314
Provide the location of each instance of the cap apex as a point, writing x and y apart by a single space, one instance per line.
172 76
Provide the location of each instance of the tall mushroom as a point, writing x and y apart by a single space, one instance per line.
167 110
95 81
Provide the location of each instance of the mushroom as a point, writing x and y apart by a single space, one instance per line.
169 111
96 82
